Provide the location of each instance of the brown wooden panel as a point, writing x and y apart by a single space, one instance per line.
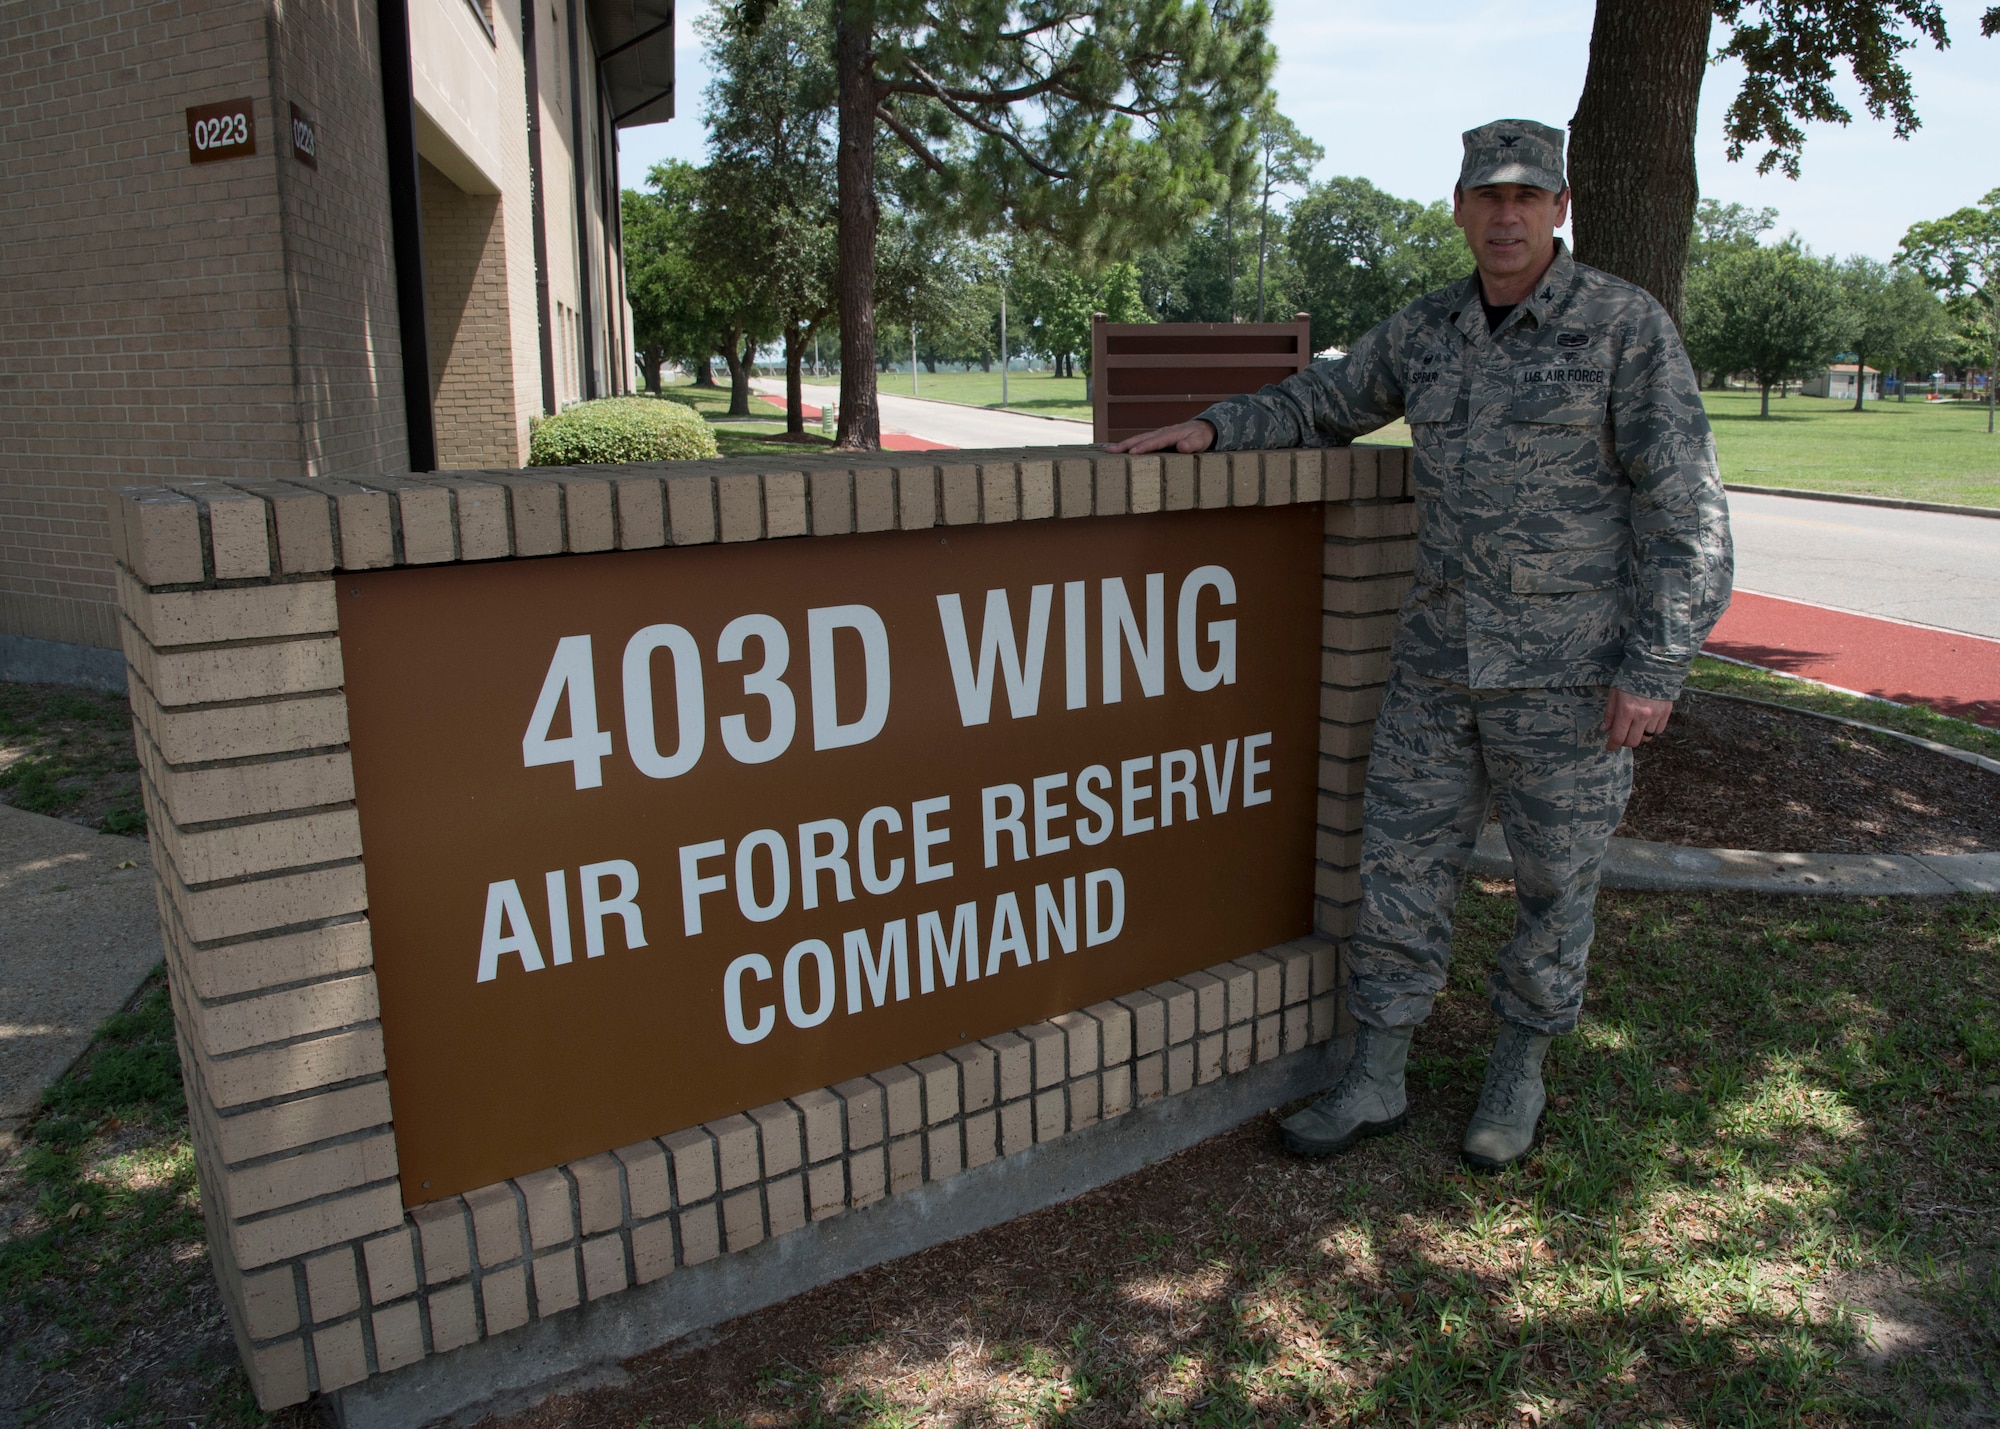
503 1062
1219 360
1199 345
1190 381
1177 370
1144 416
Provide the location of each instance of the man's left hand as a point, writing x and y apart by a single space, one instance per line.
1630 720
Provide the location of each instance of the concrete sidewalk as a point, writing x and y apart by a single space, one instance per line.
951 423
79 931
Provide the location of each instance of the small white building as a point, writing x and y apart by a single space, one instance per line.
1837 382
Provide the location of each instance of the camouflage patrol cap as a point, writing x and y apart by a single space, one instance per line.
1513 151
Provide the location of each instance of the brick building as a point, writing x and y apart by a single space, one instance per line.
283 241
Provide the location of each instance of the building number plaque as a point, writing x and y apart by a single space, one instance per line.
227 130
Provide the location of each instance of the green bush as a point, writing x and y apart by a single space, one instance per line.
618 429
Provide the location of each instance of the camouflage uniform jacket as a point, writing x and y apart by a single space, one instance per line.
1572 528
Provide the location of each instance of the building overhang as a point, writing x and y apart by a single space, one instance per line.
456 86
635 58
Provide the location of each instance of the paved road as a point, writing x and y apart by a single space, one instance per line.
953 425
1923 566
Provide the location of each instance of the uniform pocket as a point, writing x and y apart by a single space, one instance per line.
1429 572
1433 402
1563 572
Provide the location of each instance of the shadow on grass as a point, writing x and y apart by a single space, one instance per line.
1776 416
1053 406
1770 1138
108 1312
1773 1110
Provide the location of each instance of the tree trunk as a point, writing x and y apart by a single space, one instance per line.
1767 400
795 397
1263 241
650 359
1631 160
1860 380
1229 247
704 373
854 167
739 375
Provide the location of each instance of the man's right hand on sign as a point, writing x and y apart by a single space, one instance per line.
1195 436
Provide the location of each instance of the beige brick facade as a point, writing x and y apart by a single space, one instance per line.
264 905
237 321
473 401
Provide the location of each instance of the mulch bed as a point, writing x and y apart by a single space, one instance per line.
1732 775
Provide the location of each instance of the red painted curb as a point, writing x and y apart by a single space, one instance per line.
1952 673
891 441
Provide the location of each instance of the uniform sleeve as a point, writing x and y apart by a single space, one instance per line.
1328 404
1680 517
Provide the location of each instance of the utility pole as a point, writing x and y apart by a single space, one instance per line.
913 342
1003 342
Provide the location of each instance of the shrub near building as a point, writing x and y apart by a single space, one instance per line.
621 429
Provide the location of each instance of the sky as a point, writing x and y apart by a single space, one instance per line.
1388 94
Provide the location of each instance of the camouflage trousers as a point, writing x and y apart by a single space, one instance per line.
1442 755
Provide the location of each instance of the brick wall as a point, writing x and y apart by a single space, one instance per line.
161 320
142 302
517 222
471 337
229 627
339 265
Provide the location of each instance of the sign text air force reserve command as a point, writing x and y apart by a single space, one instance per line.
658 836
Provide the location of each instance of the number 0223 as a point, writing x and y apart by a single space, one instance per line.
221 131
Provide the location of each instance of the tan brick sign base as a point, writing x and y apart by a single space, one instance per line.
231 637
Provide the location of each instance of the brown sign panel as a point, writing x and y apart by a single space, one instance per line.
305 138
227 130
652 837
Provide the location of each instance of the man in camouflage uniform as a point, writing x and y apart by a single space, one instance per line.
1573 553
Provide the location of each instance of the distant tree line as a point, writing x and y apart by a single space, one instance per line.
1775 313
887 170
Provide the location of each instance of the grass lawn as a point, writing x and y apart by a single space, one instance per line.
1729 679
68 752
1042 393
1777 1129
1763 1197
1918 451
1912 450
108 1309
740 436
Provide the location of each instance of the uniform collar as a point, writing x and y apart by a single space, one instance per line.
1553 288
1549 294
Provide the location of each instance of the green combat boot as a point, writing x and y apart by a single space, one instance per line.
1510 1104
1368 1099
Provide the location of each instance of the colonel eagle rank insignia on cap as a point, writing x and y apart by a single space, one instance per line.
1513 151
